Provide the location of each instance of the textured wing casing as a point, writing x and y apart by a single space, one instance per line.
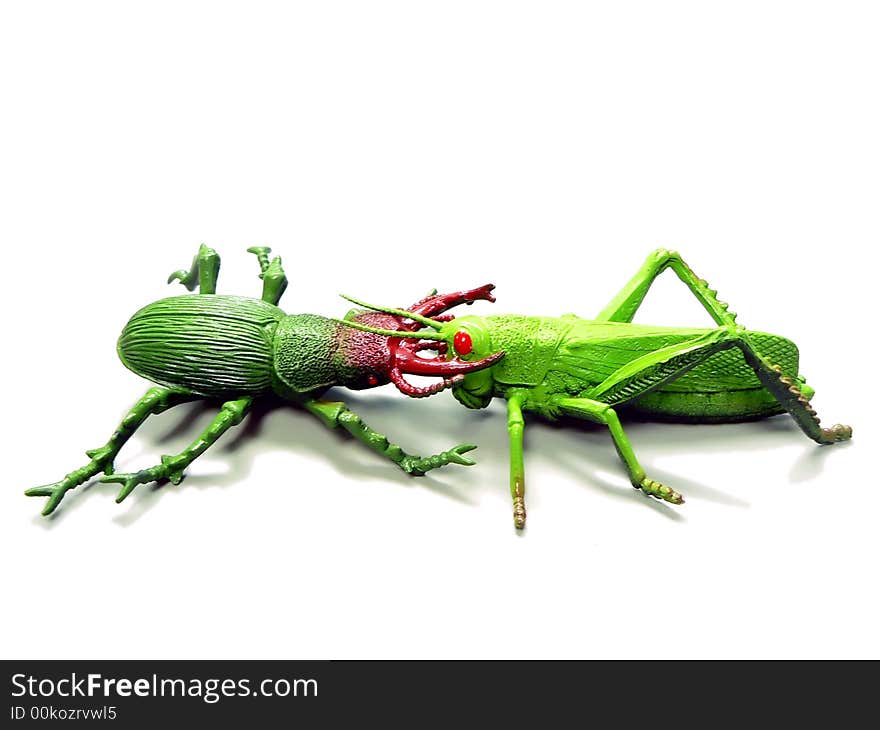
211 344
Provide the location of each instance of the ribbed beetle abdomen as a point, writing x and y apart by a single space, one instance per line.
212 344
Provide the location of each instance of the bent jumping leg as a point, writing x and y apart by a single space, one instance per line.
628 300
155 401
655 369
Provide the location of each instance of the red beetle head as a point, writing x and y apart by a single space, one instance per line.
382 344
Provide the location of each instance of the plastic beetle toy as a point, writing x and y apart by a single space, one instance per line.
554 366
235 349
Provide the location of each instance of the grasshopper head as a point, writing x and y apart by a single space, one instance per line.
471 343
381 345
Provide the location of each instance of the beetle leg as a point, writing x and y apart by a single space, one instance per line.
628 300
654 369
334 414
515 429
156 400
272 274
203 271
603 413
231 414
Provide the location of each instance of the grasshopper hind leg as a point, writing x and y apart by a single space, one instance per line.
626 303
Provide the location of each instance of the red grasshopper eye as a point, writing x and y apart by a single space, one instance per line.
462 343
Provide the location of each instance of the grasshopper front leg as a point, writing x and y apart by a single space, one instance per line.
335 414
515 430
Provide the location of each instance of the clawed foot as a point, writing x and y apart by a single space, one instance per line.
101 460
55 492
838 432
418 466
169 469
659 491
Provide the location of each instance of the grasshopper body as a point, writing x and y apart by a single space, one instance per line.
598 368
569 356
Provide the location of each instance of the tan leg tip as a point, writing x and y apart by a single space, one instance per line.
838 432
519 515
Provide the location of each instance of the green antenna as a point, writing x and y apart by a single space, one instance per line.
427 321
388 333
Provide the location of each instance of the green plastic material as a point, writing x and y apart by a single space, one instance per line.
235 349
232 349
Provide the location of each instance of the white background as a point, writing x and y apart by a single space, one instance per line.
384 149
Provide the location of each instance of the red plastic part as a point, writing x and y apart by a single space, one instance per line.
414 391
408 362
438 303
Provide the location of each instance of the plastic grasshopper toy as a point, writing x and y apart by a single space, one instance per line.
236 349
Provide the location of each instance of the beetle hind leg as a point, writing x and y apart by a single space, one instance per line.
172 467
203 271
156 400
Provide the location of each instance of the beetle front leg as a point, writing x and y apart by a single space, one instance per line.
628 300
155 401
335 414
231 414
604 414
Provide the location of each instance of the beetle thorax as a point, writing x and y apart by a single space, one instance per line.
303 348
